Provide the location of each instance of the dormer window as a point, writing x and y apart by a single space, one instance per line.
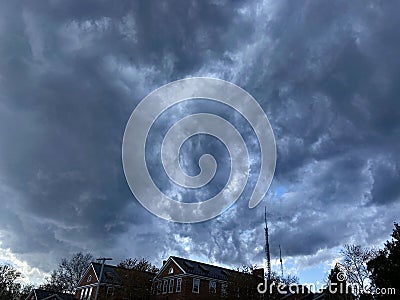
204 269
171 271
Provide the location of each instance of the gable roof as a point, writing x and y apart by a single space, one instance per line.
110 273
90 267
59 296
40 294
202 269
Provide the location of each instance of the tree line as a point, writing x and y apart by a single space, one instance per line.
63 279
366 270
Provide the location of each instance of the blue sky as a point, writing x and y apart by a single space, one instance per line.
325 72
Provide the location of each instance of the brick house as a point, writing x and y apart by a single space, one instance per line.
39 294
116 283
184 279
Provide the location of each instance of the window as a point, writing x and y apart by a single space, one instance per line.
165 286
82 293
110 291
90 293
171 286
159 284
223 290
178 285
171 271
212 287
89 279
196 285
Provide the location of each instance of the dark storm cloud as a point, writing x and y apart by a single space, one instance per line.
327 74
336 120
71 75
343 70
330 89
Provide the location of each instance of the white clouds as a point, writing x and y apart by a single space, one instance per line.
29 274
132 79
127 27
81 35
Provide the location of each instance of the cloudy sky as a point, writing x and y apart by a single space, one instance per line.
71 73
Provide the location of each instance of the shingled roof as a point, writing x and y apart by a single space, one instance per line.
111 274
207 270
39 294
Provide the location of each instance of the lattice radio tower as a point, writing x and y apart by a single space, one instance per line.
280 259
267 253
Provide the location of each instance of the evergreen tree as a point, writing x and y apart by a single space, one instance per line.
385 268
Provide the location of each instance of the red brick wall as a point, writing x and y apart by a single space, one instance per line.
186 292
85 280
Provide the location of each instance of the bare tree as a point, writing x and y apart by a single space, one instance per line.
25 291
286 280
139 265
68 274
355 259
9 287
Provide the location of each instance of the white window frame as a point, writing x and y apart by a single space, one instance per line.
81 296
90 293
212 286
110 288
196 280
178 285
223 289
171 271
171 286
165 286
87 294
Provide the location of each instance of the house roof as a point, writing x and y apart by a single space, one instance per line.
111 274
59 297
206 270
43 294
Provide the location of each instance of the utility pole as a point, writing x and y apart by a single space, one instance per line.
280 258
103 260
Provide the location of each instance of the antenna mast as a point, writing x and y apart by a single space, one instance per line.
267 254
280 258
